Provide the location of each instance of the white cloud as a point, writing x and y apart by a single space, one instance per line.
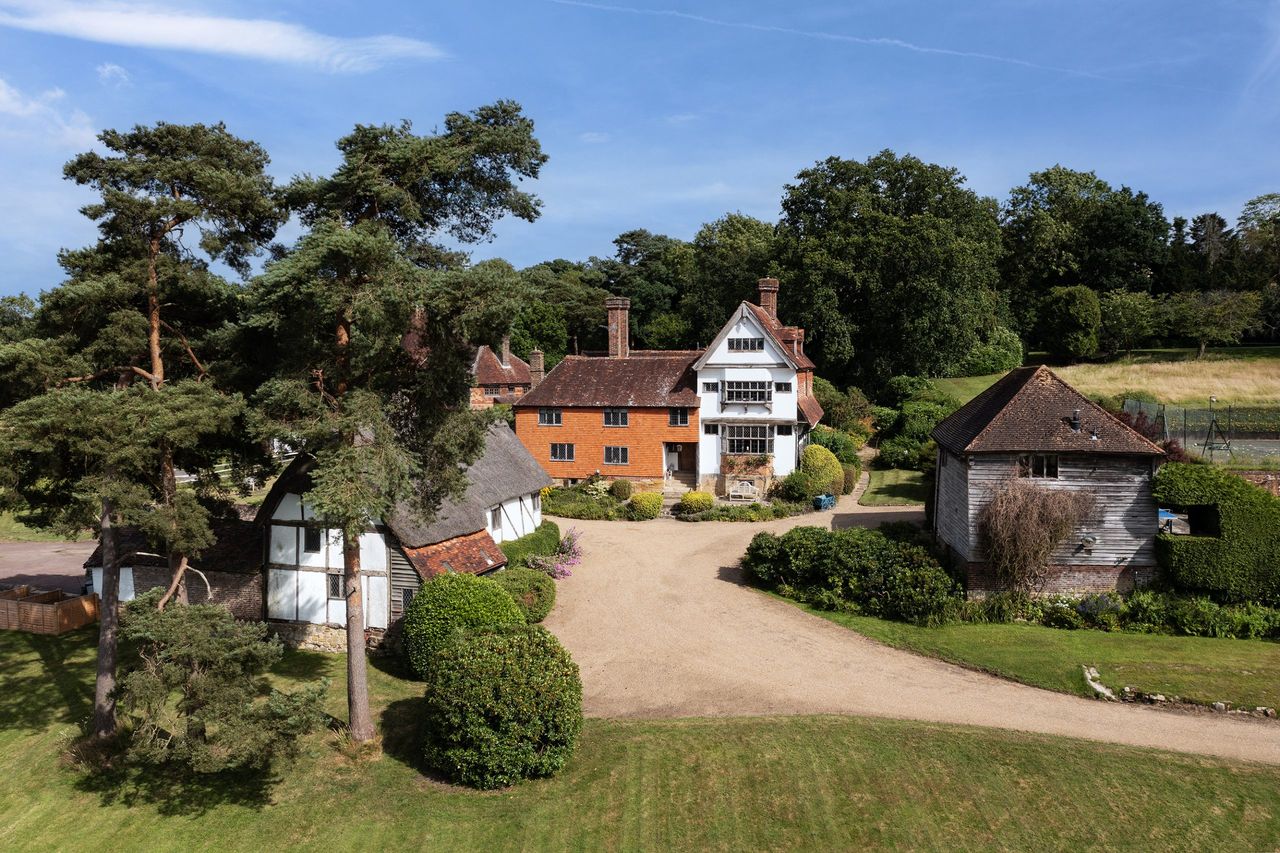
110 74
134 24
681 118
25 116
593 137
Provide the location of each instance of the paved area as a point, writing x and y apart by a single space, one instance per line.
660 623
48 565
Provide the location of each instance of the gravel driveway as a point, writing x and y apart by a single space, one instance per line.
661 625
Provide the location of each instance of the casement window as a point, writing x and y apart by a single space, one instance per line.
677 417
311 540
537 502
549 417
495 520
746 344
335 586
711 429
492 390
710 387
782 387
784 429
749 439
615 417
615 455
1038 466
562 453
748 392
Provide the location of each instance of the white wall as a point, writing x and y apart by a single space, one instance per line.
520 516
126 583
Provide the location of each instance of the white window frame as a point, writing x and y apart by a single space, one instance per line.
623 452
748 391
621 418
550 416
567 456
746 344
748 439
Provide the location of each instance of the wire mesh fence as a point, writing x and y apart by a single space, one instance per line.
1225 433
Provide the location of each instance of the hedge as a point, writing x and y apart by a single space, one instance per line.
534 592
844 445
621 489
575 502
691 502
824 467
799 487
539 543
1241 563
447 604
645 506
502 706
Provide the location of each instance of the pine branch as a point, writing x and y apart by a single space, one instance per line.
190 352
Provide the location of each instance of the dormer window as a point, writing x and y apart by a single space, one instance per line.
746 344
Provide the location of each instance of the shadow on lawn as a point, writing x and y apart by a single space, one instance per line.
175 791
57 690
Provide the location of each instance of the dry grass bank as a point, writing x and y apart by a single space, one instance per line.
1192 382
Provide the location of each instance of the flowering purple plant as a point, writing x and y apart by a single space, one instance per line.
556 564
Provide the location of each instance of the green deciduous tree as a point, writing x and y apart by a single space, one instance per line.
370 350
1259 225
729 256
651 270
889 264
1070 319
1214 317
1129 319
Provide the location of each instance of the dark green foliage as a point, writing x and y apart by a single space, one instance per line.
1242 562
799 487
195 692
852 472
1001 350
1213 317
502 706
1070 320
729 256
823 467
450 604
534 592
902 452
855 569
1129 320
577 502
650 270
842 444
776 508
645 506
919 418
540 542
883 418
621 489
842 410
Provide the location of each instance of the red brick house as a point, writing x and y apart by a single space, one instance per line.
501 377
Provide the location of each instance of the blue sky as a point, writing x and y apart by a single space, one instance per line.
656 113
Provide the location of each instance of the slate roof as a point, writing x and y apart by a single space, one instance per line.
238 549
473 554
1030 410
489 370
645 379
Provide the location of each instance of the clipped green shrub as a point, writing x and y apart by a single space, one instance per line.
645 506
883 418
502 706
1240 558
851 474
578 502
823 466
844 445
1001 351
749 512
799 487
621 489
691 502
448 604
534 592
539 543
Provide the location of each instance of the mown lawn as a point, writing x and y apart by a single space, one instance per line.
12 530
718 784
1200 669
894 487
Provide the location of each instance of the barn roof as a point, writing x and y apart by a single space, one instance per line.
645 379
238 548
1030 409
488 369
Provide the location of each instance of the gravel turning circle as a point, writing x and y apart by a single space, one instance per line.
659 622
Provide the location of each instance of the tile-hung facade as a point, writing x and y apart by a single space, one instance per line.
734 414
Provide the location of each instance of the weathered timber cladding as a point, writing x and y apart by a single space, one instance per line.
1124 516
404 579
645 436
951 510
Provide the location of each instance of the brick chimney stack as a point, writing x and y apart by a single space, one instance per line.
619 308
537 367
769 296
505 355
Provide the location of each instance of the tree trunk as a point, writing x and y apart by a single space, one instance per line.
153 316
104 700
177 560
361 724
1204 345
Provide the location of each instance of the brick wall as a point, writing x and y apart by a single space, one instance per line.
646 432
1067 580
239 593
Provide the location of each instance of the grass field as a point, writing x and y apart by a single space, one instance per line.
12 530
1238 375
713 784
894 487
1200 669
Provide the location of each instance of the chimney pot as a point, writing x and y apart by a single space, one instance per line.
619 310
537 367
1075 421
768 290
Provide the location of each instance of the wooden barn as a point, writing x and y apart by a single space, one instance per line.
1033 424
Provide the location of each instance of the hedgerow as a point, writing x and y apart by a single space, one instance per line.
450 603
540 542
1242 562
534 592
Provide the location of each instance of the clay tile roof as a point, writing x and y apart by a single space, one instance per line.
472 554
1030 410
646 379
489 370
782 336
810 409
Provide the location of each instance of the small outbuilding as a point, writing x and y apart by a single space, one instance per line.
1032 424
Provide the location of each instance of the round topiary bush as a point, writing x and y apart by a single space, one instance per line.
534 592
502 706
822 465
450 603
645 506
621 489
691 502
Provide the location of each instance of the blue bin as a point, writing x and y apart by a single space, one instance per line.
824 502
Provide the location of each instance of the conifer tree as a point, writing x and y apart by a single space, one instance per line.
369 338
